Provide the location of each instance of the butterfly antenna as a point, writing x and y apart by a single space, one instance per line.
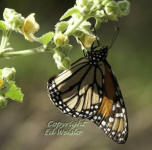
114 37
96 37
116 32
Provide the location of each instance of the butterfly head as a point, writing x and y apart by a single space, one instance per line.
96 56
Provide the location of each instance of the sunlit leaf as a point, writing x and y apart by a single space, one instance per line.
2 25
14 92
61 26
70 12
46 38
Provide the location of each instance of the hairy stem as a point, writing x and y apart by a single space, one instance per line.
75 26
5 38
24 52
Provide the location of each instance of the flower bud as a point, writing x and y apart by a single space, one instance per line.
29 27
8 73
112 10
13 20
85 5
87 40
124 7
60 39
3 102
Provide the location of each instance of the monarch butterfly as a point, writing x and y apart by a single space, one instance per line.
89 89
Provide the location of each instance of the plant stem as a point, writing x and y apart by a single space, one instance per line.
70 31
5 38
34 50
24 52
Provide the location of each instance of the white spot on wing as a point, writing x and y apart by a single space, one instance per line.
99 117
60 102
111 119
123 110
108 129
96 106
117 115
95 117
118 105
53 85
103 123
121 115
87 112
113 108
67 109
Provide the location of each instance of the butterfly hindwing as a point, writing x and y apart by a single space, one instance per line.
111 115
77 91
89 89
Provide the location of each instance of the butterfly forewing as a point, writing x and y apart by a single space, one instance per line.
77 91
111 115
90 90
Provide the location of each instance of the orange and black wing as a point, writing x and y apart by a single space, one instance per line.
112 115
77 91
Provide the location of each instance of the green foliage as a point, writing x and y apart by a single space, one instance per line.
61 26
14 92
2 25
8 88
46 38
70 12
13 20
124 7
56 42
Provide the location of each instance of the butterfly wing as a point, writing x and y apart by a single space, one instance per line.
77 91
112 115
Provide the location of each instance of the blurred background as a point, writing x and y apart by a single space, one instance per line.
22 126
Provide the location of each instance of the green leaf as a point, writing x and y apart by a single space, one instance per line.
2 25
61 26
46 38
70 12
14 92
